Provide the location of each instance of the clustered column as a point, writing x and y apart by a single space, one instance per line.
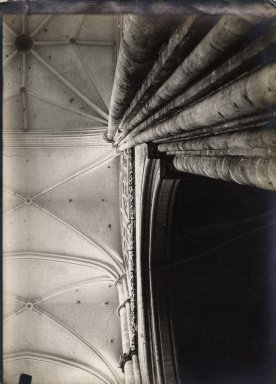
207 105
129 360
126 284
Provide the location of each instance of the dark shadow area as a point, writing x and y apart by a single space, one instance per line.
25 379
221 277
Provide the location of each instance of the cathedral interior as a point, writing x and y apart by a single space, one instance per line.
139 210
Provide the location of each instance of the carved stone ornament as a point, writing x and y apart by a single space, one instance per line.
124 358
128 233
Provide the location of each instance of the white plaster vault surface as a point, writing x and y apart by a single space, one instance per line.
62 247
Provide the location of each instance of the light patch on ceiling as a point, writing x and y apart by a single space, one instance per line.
13 114
30 171
10 201
94 317
47 336
94 27
43 83
97 59
91 202
27 278
69 121
12 79
13 24
45 369
72 67
10 305
61 27
30 229
33 22
7 51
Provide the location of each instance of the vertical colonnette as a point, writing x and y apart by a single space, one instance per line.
141 40
142 37
207 106
126 284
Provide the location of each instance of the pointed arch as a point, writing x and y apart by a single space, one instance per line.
64 258
56 360
77 337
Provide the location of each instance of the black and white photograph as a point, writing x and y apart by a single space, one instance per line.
138 192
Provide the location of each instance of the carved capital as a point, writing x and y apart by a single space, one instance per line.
106 138
126 357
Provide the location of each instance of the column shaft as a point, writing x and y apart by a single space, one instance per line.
128 367
143 36
229 30
251 171
252 93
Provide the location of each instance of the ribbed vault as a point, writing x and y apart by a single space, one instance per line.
62 248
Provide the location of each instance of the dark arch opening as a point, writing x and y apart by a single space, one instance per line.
214 283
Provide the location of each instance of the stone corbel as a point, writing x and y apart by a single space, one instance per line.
126 357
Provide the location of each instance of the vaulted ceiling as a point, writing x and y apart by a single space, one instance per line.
62 246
